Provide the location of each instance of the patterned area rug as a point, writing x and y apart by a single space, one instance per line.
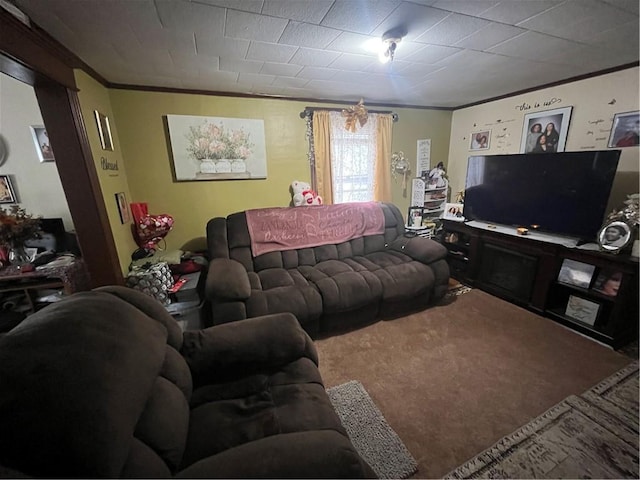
371 435
594 435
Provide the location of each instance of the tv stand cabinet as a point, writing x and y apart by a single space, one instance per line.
525 272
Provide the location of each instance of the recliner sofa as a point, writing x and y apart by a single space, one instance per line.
105 384
330 287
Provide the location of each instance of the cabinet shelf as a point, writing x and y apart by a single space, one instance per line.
586 292
525 271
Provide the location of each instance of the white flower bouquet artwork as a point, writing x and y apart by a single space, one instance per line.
217 148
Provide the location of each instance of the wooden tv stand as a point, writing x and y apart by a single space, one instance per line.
525 271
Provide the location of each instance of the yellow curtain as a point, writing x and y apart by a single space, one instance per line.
382 168
322 150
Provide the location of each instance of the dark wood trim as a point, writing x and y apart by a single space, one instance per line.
309 111
20 42
31 55
46 55
60 110
553 84
120 86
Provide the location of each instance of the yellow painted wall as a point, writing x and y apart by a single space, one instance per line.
147 152
414 125
93 96
595 101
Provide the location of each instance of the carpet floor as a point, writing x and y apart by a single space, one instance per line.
593 435
456 378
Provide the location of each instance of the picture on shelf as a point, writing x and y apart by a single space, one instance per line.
582 310
414 218
614 236
608 282
453 211
576 273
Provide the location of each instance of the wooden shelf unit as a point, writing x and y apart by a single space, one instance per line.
525 272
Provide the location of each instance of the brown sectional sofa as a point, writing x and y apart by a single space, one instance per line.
105 384
329 288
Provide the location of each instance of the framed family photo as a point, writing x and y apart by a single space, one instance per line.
480 140
453 211
41 141
123 210
545 132
7 194
625 131
614 236
414 217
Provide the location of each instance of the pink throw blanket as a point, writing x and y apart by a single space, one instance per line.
291 228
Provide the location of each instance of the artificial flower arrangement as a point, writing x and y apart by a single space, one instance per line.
213 141
630 213
17 226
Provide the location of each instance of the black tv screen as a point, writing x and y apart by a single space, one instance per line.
562 193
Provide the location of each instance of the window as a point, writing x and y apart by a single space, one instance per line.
352 160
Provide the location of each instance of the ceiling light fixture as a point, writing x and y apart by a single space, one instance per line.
388 47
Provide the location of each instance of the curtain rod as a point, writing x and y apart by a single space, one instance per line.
308 111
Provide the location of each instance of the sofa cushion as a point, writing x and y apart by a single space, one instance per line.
227 415
277 290
343 286
402 278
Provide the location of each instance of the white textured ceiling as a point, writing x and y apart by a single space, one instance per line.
455 52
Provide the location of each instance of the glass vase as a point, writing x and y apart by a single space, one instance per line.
18 256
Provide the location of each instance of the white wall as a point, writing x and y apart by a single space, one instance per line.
595 101
37 185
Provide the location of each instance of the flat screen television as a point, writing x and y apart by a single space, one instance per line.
559 193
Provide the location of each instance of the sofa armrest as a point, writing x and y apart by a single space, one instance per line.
246 346
310 454
227 280
421 249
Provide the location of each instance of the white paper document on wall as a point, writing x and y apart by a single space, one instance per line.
423 158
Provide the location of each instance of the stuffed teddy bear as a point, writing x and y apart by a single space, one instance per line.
303 195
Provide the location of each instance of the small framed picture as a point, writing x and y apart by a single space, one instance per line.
7 194
608 282
576 273
480 140
41 141
545 132
625 131
614 236
582 310
123 210
104 131
414 218
453 211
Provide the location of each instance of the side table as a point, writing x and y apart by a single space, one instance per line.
71 278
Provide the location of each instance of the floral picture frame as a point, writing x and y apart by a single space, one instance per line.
41 141
7 193
104 131
217 148
536 125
